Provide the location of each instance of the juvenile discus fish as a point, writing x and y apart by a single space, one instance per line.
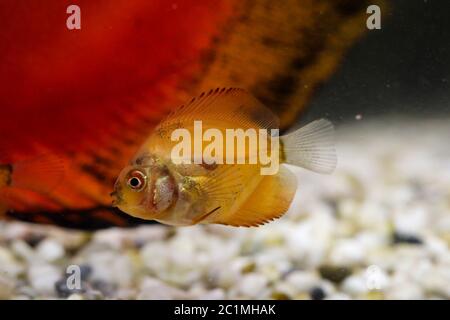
219 159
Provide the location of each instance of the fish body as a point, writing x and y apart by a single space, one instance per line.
202 182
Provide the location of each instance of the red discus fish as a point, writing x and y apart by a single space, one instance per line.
93 95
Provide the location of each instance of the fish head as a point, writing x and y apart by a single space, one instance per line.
144 191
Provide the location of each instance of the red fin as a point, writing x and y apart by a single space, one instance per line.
3 202
42 173
25 200
8 200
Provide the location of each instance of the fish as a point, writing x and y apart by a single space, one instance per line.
121 97
25 184
208 189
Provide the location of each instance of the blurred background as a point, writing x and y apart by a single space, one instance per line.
401 69
377 228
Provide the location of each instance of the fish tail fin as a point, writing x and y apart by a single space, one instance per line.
311 147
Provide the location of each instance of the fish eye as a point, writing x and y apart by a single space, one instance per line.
136 180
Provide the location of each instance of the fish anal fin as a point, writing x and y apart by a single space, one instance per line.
270 200
219 189
204 216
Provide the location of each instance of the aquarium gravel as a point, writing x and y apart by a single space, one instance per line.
378 228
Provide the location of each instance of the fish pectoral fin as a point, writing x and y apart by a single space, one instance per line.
42 173
204 216
270 200
221 187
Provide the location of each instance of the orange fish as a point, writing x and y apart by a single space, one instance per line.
181 187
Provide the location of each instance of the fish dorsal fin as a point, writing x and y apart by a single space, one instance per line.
218 109
270 200
232 107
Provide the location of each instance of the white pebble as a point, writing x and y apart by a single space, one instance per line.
23 250
75 296
43 277
252 285
154 289
355 286
50 250
9 264
6 287
405 291
347 252
411 220
338 296
111 267
216 294
302 281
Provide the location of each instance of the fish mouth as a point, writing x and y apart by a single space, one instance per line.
117 200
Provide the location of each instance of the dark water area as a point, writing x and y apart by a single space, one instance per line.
402 69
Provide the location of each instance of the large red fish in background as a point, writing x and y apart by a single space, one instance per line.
93 95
